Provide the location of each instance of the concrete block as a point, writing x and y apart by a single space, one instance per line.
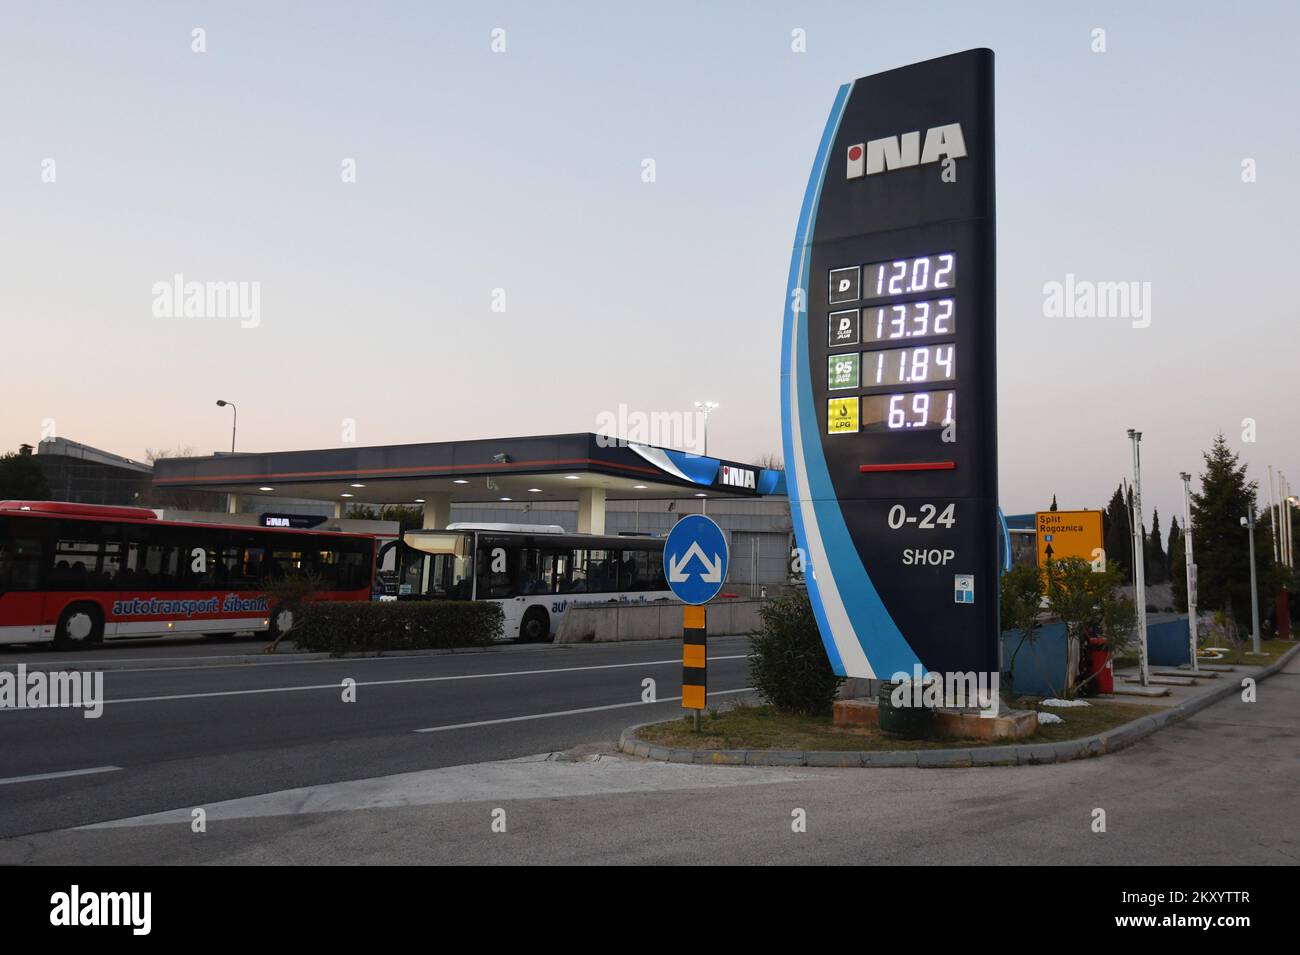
993 756
855 713
1067 750
721 757
660 753
1123 736
681 756
773 758
966 724
943 758
1036 754
833 759
890 758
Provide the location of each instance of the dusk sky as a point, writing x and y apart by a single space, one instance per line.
522 171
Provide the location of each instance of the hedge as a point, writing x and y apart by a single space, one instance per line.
340 627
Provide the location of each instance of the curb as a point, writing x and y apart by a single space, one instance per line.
1034 754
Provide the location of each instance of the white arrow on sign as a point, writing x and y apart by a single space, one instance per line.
712 570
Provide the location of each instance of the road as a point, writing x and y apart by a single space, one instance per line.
184 731
1218 788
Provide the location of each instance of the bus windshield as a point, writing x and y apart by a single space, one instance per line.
437 564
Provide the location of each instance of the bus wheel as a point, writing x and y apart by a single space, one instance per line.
81 625
536 626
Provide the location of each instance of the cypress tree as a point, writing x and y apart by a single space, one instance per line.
1118 539
1157 569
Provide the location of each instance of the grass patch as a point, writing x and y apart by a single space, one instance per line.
1240 654
761 727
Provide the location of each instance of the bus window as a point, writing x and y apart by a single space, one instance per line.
75 560
20 564
160 563
111 565
602 572
353 570
655 571
635 572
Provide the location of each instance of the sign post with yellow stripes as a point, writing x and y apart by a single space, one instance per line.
695 671
695 565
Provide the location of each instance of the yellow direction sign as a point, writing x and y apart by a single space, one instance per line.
1064 534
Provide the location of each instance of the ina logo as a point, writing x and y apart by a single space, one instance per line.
901 152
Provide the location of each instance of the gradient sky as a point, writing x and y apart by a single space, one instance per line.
522 171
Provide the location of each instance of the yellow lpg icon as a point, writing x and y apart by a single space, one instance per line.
842 416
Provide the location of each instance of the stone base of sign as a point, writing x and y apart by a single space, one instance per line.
956 724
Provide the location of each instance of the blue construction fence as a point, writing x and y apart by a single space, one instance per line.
1043 670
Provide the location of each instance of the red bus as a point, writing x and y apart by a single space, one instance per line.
74 574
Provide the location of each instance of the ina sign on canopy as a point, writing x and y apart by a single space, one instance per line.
888 373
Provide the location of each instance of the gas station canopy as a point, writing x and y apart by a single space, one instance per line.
547 467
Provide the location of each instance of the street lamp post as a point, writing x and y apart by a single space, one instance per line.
1139 555
705 407
234 421
1248 522
1190 566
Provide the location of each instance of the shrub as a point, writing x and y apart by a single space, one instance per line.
788 665
357 626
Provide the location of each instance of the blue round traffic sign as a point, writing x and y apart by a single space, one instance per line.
695 559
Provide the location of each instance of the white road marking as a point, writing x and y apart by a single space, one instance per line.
585 709
421 679
62 775
243 660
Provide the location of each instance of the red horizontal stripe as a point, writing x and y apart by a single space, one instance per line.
914 466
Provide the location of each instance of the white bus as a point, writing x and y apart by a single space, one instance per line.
535 572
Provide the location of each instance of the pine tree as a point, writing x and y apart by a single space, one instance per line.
1117 536
1053 507
1157 570
1222 551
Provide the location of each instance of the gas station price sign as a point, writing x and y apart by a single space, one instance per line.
888 373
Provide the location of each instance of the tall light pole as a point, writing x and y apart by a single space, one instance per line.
1139 560
1274 518
1288 502
1190 565
1248 522
705 407
234 421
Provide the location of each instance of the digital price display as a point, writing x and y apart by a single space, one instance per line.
887 323
925 273
890 330
913 409
910 366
